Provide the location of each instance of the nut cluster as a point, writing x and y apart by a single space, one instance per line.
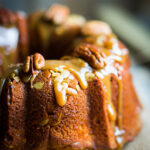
33 63
92 54
7 17
57 14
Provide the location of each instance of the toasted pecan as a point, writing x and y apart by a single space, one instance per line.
57 13
33 63
96 28
92 54
39 61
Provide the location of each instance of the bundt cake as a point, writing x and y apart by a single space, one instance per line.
13 38
84 100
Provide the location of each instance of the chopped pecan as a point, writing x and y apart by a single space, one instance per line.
33 63
92 54
26 65
39 61
7 17
96 28
57 13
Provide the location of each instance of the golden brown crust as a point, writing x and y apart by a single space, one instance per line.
82 123
30 116
13 114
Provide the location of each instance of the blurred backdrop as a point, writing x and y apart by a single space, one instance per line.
140 8
130 19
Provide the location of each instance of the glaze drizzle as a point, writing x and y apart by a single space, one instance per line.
62 69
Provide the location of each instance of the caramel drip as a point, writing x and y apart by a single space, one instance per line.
114 55
62 69
119 130
120 104
32 79
110 107
118 56
60 87
76 66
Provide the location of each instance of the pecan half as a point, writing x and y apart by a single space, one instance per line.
96 28
57 13
7 17
33 63
92 54
39 61
26 65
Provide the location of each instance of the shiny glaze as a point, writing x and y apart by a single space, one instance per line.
110 107
79 68
60 87
62 69
115 58
75 65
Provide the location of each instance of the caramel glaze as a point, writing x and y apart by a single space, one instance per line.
115 59
80 69
61 71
